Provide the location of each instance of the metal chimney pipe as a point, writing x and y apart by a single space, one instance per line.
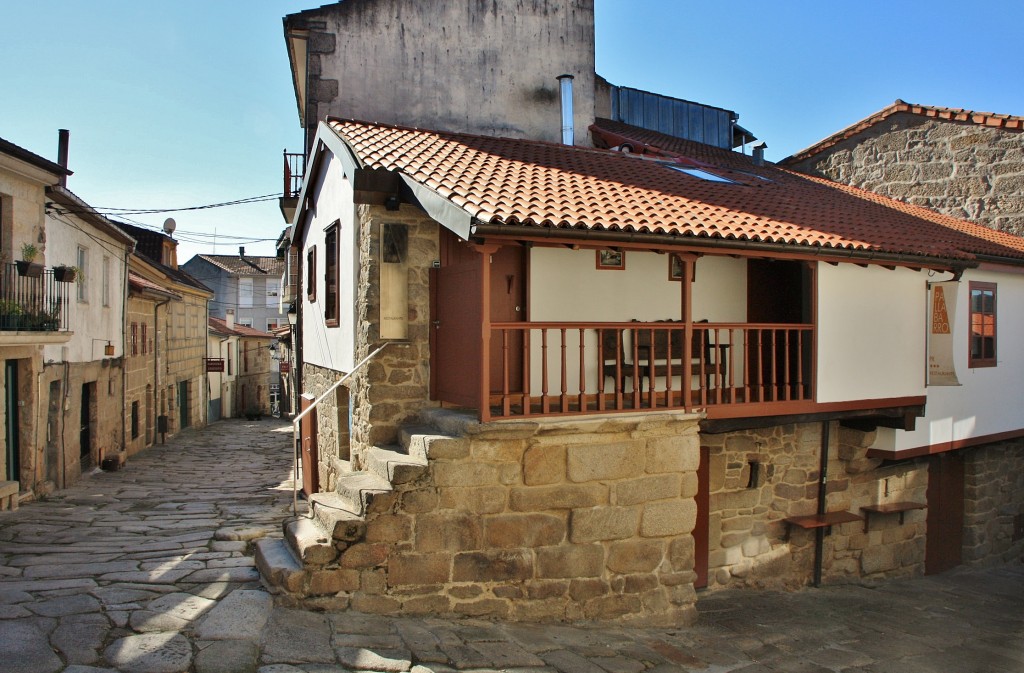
241 251
63 136
759 153
565 82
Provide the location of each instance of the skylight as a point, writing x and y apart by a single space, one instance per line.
700 173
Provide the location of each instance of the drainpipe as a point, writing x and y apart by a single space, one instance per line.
565 83
819 533
63 137
156 366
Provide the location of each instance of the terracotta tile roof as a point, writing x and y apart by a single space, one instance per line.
522 184
989 119
220 326
250 265
139 283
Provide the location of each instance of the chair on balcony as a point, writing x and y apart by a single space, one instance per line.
707 360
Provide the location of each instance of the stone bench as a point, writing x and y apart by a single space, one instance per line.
9 495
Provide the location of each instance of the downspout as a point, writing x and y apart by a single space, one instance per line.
819 533
156 366
124 353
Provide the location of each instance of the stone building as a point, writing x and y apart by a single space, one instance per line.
249 355
959 162
169 387
563 382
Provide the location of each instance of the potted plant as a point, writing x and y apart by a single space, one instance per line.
10 315
64 273
26 265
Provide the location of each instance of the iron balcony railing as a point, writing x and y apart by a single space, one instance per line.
294 171
33 304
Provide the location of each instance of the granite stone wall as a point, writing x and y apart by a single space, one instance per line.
758 478
569 520
957 168
994 503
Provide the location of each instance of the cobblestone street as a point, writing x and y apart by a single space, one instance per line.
150 570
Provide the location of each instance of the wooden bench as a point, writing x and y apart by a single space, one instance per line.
900 508
9 495
826 521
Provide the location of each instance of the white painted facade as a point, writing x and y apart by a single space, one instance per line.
990 400
96 302
330 347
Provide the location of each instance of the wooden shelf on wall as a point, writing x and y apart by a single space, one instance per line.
900 508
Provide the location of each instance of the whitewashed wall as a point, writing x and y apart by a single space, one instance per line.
331 347
990 400
93 323
871 332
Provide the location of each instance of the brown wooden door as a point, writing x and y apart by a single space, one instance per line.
508 304
701 531
455 340
944 547
307 437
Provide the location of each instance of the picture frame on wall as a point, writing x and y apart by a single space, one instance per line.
611 259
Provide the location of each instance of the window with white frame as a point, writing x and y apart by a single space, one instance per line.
83 274
273 292
245 292
106 281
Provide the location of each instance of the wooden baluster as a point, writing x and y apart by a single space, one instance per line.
565 387
583 373
544 400
506 401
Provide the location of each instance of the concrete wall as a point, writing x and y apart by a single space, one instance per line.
486 68
957 168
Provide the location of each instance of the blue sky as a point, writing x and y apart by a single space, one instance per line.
190 102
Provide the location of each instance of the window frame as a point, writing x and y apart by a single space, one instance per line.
975 362
82 254
332 269
105 293
311 274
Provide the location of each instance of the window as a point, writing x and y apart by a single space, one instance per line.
135 420
245 322
245 356
699 173
231 351
331 275
106 281
311 274
83 274
144 338
273 292
272 324
983 325
135 338
245 292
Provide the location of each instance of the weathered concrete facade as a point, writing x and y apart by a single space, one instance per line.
962 169
406 63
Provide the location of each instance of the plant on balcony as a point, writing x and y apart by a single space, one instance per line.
26 265
43 321
64 273
10 315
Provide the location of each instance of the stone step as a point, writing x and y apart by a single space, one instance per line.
278 566
335 515
358 488
425 441
310 543
391 464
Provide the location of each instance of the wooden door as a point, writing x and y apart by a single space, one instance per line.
701 532
455 340
12 422
508 304
307 437
85 424
944 546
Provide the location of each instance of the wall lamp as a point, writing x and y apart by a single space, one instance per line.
108 350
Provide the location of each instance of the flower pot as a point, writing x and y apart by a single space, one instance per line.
63 274
29 269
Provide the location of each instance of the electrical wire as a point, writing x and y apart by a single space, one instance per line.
111 210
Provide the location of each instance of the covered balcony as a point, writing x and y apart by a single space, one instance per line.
33 304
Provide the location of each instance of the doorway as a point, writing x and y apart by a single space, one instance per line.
183 405
86 416
11 433
310 457
945 521
702 529
508 304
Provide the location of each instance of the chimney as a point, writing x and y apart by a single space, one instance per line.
63 135
565 82
241 251
229 318
759 153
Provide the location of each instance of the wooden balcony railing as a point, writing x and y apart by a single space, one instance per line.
550 369
28 304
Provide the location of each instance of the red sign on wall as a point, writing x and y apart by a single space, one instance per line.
214 364
286 367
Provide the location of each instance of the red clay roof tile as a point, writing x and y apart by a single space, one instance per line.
530 184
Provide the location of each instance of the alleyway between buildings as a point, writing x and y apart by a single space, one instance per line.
150 570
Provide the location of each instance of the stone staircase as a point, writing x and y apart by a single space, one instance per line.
305 563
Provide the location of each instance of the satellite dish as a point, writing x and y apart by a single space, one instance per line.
169 225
